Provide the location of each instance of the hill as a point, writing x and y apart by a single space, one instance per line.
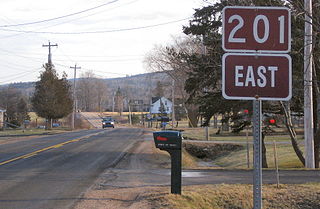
137 87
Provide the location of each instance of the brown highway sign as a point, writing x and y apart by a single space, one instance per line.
252 76
256 29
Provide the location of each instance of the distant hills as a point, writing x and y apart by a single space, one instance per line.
139 86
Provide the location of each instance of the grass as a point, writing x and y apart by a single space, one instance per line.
162 158
199 134
27 132
239 196
238 159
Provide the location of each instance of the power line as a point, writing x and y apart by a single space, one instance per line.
89 15
20 75
12 66
105 60
63 54
95 32
60 17
105 72
16 55
74 19
87 69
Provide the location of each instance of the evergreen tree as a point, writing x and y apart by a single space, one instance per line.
10 99
119 101
159 91
22 111
52 97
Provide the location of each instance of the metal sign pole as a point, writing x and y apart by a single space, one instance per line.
257 155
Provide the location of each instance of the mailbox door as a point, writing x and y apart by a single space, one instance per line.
167 139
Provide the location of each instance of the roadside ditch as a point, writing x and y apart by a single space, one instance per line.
205 153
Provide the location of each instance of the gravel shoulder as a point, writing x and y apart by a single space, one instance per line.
129 184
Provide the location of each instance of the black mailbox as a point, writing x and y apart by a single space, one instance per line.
171 141
167 140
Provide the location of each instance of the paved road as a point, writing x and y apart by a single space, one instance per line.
53 171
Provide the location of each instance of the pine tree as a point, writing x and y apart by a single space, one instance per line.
22 111
159 91
52 97
119 101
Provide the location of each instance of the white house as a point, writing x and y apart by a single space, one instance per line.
156 104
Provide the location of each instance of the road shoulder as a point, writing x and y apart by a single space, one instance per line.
129 184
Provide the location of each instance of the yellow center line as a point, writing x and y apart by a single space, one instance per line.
30 155
45 149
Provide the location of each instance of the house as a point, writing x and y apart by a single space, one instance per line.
138 105
160 105
2 111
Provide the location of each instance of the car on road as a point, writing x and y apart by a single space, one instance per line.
107 122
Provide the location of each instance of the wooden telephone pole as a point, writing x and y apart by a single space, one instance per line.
49 55
74 96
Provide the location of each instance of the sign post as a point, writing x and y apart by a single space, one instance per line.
256 66
257 155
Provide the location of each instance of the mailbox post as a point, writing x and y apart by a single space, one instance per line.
171 141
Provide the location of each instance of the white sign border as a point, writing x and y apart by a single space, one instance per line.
254 98
256 51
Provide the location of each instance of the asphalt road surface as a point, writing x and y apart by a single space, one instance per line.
54 171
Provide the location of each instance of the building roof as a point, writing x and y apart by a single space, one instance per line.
155 99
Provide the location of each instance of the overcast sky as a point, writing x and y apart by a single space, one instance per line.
112 48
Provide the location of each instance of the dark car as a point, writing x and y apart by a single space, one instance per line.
107 122
163 118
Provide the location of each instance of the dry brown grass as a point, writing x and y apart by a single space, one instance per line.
162 159
240 197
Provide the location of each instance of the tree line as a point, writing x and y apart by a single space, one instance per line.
51 97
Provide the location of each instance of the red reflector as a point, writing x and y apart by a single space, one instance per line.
160 138
272 121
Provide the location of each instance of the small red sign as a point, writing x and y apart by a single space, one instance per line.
251 29
252 76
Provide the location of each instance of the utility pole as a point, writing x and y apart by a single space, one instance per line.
130 118
113 102
308 105
173 109
49 55
74 95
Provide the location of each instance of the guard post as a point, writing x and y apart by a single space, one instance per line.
171 141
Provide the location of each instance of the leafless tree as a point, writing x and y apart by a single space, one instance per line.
165 59
91 92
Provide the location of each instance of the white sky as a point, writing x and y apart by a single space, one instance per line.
22 54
